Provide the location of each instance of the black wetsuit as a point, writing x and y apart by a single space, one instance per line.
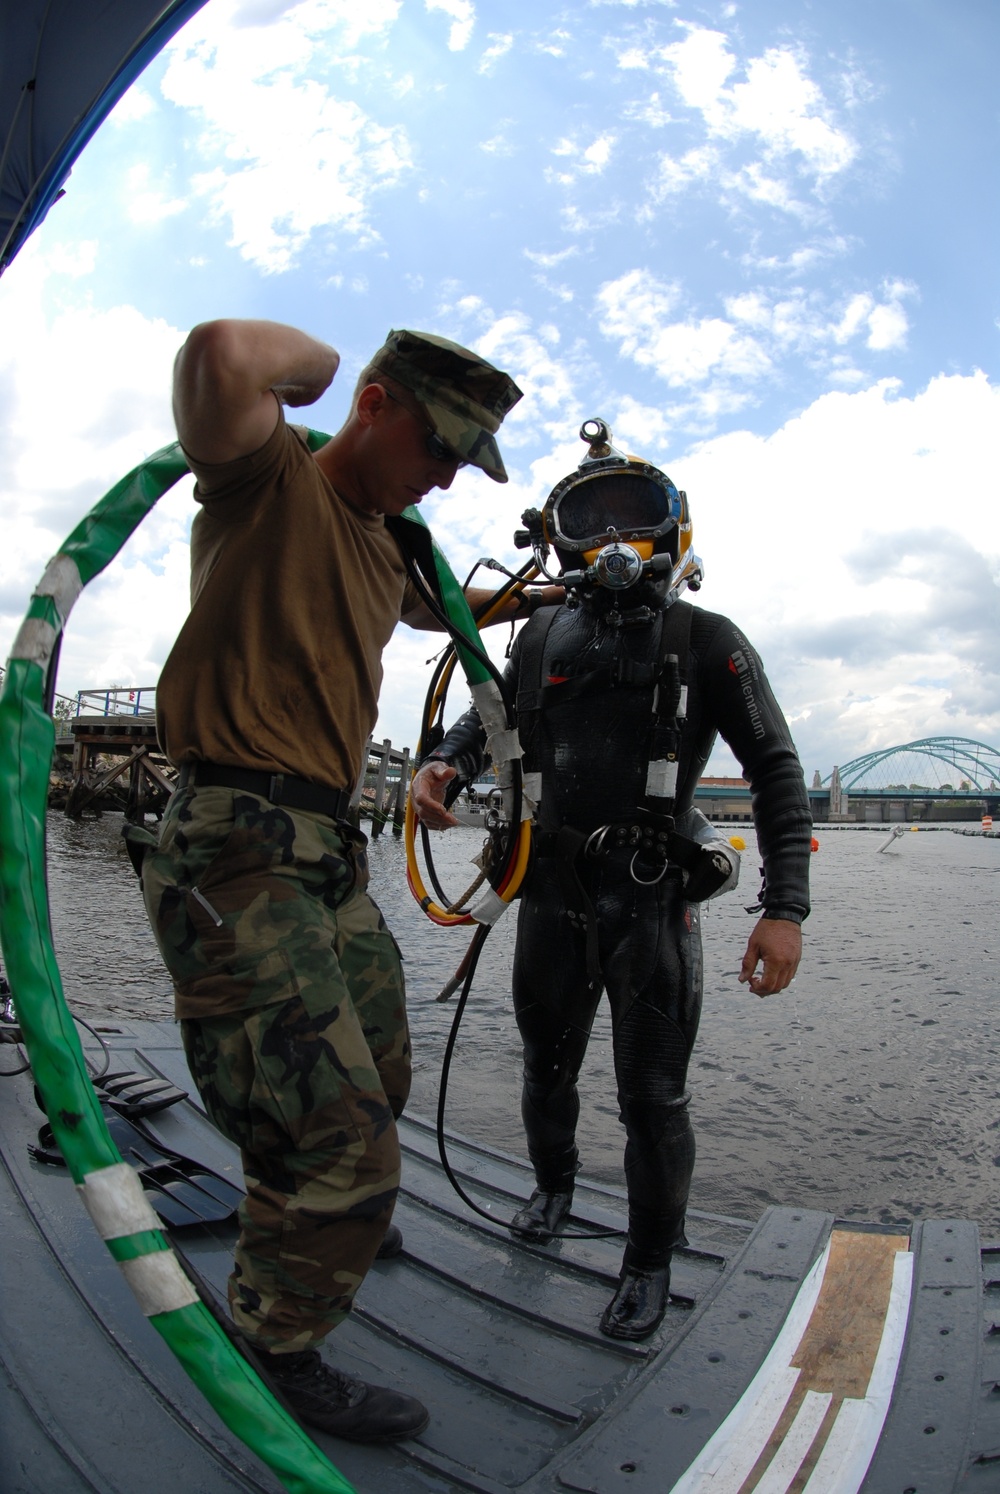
593 751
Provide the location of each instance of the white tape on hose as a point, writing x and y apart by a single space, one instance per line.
504 747
35 642
115 1200
490 909
62 582
531 795
488 702
158 1283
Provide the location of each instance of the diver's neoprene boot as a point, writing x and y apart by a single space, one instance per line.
338 1404
542 1215
638 1306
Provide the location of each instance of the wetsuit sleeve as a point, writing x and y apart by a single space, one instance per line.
750 720
463 747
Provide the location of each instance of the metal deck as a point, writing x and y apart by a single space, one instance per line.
797 1353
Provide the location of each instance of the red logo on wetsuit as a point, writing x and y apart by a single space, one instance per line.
745 672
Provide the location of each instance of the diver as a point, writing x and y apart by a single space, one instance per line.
621 690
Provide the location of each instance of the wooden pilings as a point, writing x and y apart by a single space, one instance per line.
381 789
133 772
117 761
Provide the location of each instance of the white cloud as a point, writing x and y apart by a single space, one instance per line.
641 429
635 311
463 16
145 203
500 45
721 361
805 257
769 105
106 406
797 321
652 111
841 544
286 157
135 104
582 160
556 44
513 343
887 327
550 261
778 103
676 174
634 303
498 145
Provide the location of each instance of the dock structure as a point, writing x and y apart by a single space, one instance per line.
116 756
382 786
116 753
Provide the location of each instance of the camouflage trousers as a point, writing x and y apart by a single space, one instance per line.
290 993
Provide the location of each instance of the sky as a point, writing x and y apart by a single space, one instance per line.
759 240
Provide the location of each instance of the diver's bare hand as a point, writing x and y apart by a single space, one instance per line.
427 793
778 943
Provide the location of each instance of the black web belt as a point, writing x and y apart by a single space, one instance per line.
277 788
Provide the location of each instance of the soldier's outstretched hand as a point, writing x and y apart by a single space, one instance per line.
777 944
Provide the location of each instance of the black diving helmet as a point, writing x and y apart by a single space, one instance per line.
617 520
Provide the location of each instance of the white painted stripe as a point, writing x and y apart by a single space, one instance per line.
733 1463
890 1350
115 1200
854 1436
796 1443
769 1388
158 1282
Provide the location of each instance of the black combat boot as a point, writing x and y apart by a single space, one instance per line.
392 1244
542 1215
338 1404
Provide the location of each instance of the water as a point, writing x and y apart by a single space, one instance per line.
870 1088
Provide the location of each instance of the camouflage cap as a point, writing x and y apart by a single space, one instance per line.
464 397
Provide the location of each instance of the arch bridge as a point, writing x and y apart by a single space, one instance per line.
915 779
970 767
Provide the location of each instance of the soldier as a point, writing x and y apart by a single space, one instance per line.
288 984
620 693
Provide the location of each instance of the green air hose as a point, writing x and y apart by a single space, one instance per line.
109 1187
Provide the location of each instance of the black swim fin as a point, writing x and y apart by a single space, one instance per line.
135 1094
183 1192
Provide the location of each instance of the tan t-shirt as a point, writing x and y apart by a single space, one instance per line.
294 595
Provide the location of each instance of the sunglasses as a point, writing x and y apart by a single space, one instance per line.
438 449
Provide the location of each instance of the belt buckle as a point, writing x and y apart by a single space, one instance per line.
275 786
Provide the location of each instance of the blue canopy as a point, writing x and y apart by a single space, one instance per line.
64 64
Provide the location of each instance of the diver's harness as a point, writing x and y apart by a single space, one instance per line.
650 834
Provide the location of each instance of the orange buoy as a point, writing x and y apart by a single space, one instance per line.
814 844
